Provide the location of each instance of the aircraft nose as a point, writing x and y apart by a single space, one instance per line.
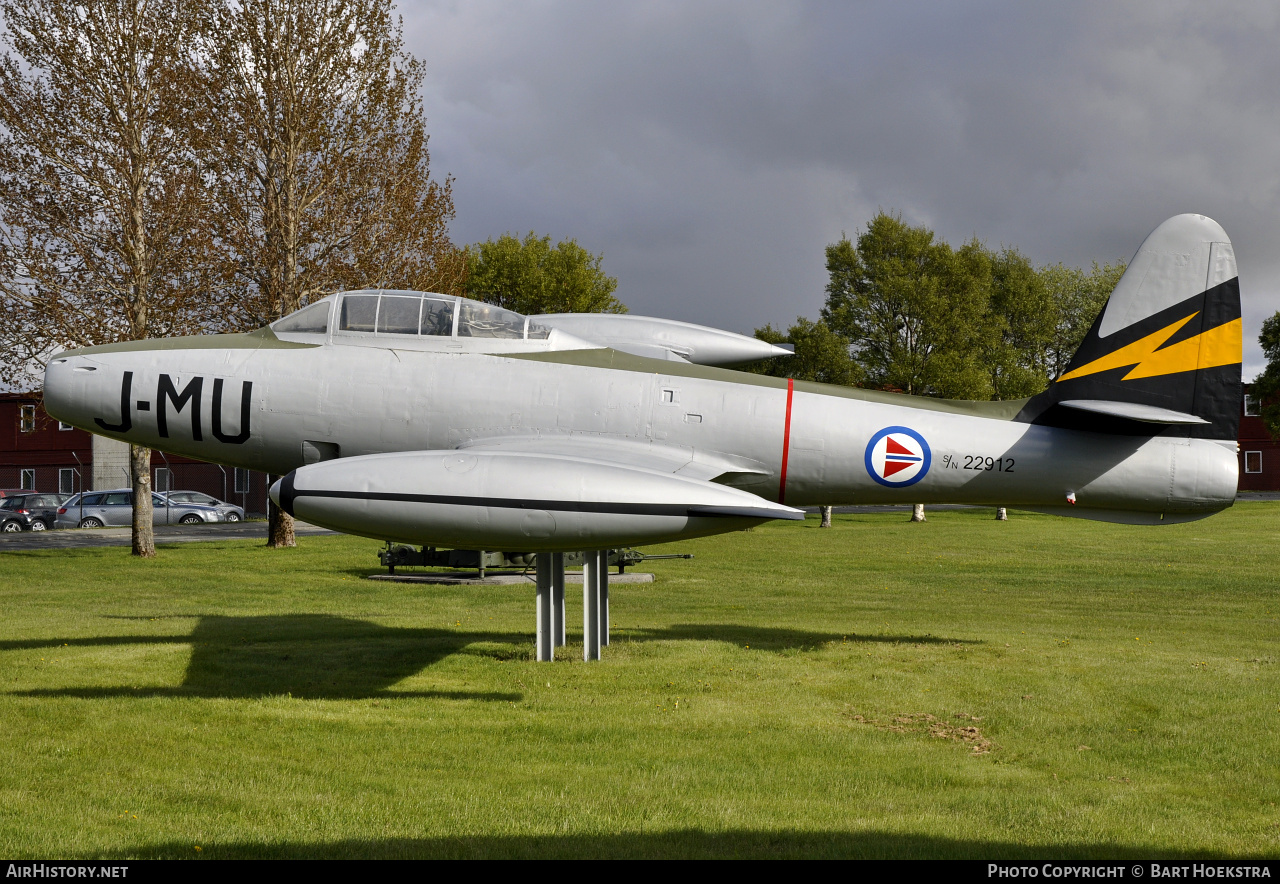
73 388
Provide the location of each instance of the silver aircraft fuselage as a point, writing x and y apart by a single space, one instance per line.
278 402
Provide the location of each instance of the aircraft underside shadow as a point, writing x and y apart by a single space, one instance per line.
323 656
306 656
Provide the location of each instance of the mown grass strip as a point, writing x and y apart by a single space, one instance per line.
790 692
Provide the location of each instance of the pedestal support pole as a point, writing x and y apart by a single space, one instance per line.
546 633
591 599
557 596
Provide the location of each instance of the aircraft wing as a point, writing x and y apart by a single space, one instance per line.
678 460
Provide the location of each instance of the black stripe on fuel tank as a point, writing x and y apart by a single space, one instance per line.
290 492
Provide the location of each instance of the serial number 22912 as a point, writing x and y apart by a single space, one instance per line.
978 462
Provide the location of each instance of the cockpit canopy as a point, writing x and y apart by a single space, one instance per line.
370 312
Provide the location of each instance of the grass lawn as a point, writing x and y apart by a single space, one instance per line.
960 688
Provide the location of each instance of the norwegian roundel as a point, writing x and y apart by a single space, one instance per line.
898 457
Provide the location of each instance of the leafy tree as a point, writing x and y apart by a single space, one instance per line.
323 178
1078 297
1266 386
914 310
103 210
1042 317
531 277
1024 316
820 355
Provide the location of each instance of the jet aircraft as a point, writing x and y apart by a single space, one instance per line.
429 419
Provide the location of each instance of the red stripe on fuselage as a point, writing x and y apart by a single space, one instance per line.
786 443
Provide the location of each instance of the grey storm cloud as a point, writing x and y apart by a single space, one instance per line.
711 150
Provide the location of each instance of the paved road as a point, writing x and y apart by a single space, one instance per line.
83 538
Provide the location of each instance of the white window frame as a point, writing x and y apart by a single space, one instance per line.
27 418
67 480
1257 455
168 479
1251 406
27 479
63 427
242 481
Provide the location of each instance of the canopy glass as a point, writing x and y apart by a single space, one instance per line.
412 313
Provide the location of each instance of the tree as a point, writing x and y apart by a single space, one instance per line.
1078 297
1266 386
1024 319
820 355
914 310
531 277
1041 317
102 203
324 180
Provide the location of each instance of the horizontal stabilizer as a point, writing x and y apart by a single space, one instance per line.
1134 411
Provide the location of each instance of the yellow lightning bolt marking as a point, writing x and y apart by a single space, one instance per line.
1223 345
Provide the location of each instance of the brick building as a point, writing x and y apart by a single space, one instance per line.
1259 453
39 453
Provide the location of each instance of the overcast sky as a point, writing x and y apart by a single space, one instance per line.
711 150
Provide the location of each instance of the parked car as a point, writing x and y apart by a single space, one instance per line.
229 511
13 521
29 511
96 509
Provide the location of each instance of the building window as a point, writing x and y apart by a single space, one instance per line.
28 480
62 426
242 481
1253 461
164 479
1251 408
27 418
66 481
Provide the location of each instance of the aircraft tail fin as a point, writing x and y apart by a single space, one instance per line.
1164 356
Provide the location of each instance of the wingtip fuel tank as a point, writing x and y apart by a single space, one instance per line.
664 338
500 500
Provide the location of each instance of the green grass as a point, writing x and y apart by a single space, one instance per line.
789 692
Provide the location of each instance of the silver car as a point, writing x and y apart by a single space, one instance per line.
97 509
229 511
